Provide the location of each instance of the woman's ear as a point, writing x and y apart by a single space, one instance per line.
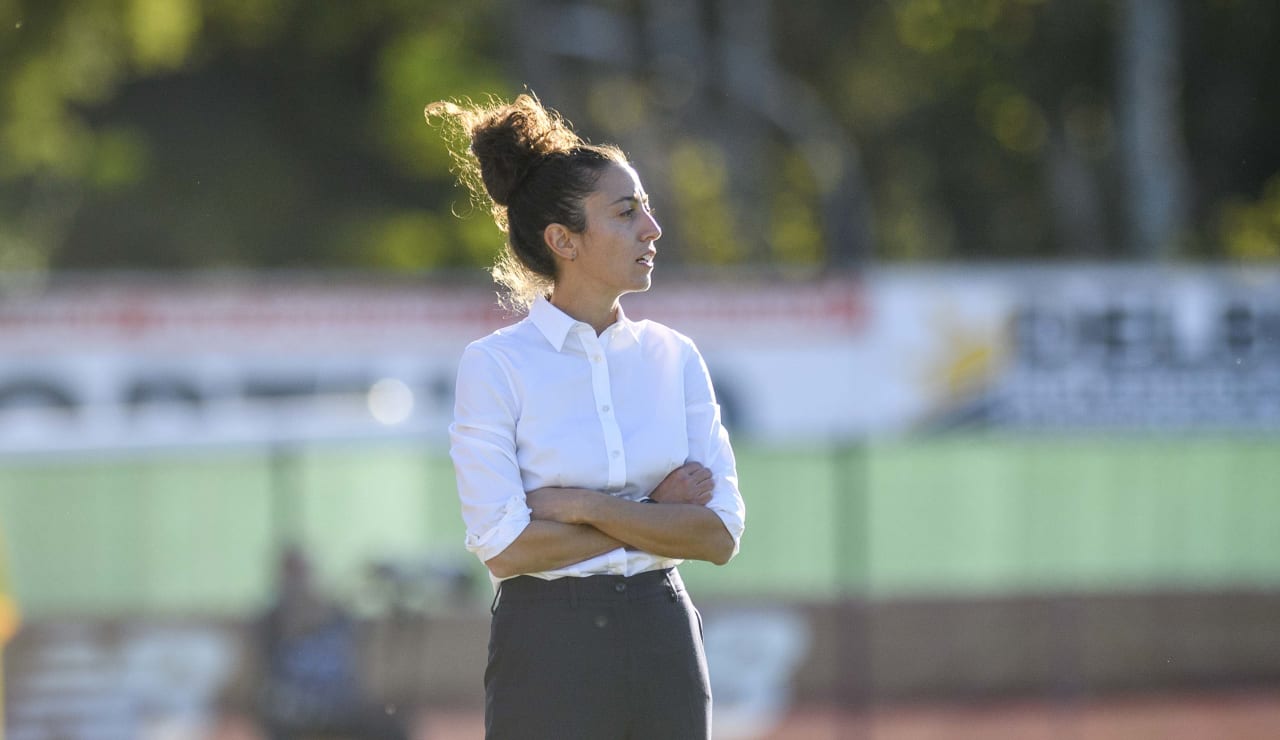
560 241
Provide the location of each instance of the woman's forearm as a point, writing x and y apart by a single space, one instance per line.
690 531
548 545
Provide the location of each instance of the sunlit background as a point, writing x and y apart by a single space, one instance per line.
989 289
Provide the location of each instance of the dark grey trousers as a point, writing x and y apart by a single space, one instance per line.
597 658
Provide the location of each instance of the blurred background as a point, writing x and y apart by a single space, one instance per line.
989 289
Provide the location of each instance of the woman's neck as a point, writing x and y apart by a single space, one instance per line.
600 313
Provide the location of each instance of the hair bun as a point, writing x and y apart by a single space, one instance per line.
509 139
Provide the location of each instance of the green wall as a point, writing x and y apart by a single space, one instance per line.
963 516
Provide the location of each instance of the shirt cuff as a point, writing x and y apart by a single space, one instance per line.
732 522
515 517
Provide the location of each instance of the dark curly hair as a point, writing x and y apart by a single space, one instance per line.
527 166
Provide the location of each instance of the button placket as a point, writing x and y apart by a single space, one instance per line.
603 395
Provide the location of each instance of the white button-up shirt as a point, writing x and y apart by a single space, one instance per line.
546 402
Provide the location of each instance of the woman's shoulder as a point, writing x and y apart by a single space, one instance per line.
513 338
650 331
513 333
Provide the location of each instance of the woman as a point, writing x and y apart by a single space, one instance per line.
588 448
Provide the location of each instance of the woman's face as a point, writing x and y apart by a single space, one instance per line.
615 251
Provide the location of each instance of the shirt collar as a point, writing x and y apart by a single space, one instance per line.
555 324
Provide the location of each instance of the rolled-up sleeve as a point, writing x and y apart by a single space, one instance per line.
483 448
709 445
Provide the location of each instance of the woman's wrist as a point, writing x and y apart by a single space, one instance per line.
582 505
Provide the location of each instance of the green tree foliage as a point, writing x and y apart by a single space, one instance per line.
288 133
955 104
989 127
235 133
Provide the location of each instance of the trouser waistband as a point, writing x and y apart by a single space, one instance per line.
666 581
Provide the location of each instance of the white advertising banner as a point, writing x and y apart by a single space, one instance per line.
113 363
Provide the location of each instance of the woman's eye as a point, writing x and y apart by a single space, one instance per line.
628 213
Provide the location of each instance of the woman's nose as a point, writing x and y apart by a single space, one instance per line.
653 231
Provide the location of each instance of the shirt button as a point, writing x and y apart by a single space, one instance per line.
619 587
595 358
616 454
605 408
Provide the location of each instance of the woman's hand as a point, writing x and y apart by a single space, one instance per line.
690 483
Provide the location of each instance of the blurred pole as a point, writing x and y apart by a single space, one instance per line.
1152 148
541 26
286 490
759 86
851 509
745 24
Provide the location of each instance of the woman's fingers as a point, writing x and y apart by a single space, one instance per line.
689 483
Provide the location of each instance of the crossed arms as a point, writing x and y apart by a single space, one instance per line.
569 525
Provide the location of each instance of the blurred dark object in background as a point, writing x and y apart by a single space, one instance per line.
307 673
